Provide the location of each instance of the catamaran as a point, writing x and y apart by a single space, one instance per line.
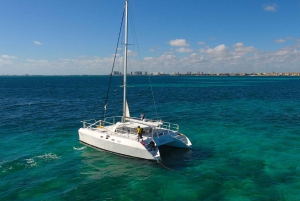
130 136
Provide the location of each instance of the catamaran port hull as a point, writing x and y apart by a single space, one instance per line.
118 145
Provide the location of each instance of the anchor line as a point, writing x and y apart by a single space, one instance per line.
171 169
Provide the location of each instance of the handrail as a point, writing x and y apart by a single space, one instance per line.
85 122
170 126
112 120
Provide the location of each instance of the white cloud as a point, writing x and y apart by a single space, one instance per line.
36 61
8 57
281 53
280 41
37 43
179 42
218 50
131 53
148 58
116 55
201 43
286 51
167 56
240 48
218 59
184 50
6 60
270 7
215 55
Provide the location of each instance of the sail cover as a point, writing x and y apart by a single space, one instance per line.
127 110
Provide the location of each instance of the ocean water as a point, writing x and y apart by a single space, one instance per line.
245 132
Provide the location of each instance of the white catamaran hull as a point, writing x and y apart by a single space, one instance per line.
115 144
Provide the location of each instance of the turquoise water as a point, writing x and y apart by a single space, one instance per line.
245 132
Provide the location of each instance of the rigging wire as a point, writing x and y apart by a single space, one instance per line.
153 97
106 99
141 63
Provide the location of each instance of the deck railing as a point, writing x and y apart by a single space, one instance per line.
92 123
161 124
170 126
88 123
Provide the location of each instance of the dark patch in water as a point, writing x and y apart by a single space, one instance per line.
179 158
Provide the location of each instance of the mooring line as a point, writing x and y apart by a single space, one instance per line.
170 168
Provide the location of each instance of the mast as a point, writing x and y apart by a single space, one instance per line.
125 60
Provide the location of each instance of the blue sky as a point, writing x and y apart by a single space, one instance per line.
79 37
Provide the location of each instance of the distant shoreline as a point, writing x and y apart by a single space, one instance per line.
295 74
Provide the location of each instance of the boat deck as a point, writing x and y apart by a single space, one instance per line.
129 135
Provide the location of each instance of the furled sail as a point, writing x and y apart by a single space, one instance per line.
127 110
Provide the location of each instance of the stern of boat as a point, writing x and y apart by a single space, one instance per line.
181 141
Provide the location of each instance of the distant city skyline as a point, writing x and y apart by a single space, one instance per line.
79 37
140 73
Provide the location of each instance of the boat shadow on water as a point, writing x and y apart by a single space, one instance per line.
175 158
